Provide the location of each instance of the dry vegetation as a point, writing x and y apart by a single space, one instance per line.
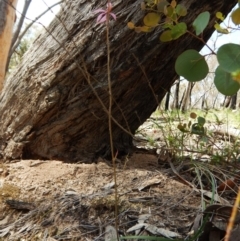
166 187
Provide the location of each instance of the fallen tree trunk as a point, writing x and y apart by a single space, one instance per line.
55 104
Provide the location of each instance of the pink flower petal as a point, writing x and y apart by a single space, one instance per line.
99 11
100 17
113 15
103 19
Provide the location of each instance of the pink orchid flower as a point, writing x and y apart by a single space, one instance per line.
102 17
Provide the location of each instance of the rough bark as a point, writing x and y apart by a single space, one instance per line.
176 95
233 102
227 101
7 19
167 100
49 110
186 97
190 94
203 102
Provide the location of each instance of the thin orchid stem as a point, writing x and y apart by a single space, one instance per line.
110 120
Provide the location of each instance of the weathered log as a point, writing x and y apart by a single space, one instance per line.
49 110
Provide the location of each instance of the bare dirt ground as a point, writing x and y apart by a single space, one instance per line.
76 201
51 200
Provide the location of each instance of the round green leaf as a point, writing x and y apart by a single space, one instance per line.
228 57
236 16
201 22
151 19
178 30
181 10
191 65
224 82
201 121
166 36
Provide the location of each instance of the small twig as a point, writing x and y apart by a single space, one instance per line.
30 25
233 217
20 23
200 39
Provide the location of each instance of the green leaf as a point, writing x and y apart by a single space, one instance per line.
178 30
151 19
191 65
236 16
228 57
174 17
224 82
181 10
201 121
162 5
169 11
197 129
201 22
167 25
166 36
175 32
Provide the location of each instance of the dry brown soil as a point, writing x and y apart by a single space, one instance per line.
66 201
